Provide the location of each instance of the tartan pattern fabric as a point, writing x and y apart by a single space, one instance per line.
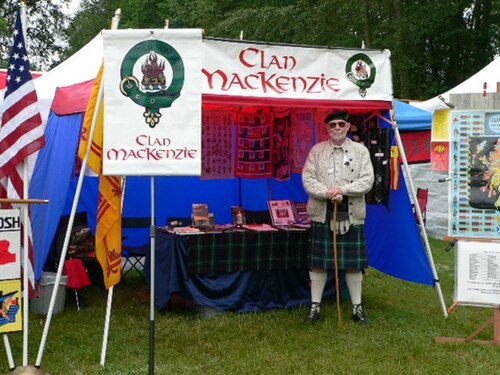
247 251
351 247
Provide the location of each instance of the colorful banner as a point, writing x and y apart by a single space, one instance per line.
10 244
280 71
152 118
474 169
440 156
11 315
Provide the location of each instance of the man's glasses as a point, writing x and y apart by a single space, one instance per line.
340 124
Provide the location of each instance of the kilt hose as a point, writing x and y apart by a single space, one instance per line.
351 247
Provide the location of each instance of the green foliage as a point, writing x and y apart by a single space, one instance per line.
406 318
44 19
435 45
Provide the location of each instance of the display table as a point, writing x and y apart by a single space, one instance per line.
234 271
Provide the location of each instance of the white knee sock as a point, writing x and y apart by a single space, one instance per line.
354 284
318 282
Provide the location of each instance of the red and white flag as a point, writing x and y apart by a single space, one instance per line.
21 132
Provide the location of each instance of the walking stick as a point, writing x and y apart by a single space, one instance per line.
336 263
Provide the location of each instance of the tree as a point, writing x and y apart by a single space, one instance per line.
434 44
44 19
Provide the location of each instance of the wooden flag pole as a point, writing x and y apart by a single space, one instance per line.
336 262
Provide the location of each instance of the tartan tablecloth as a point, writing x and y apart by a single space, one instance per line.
247 251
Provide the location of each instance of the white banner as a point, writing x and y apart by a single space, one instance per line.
10 244
280 71
152 106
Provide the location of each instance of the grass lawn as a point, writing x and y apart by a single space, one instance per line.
406 318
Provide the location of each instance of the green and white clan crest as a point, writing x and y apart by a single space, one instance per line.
152 92
361 70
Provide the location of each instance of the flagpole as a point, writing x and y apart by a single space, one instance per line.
109 304
114 26
10 358
22 7
68 230
419 215
152 282
106 326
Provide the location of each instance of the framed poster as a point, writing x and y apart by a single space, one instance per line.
477 273
474 199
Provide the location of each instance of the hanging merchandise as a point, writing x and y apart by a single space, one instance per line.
280 153
377 140
253 144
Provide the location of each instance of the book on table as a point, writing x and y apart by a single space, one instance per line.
201 217
302 218
281 212
238 215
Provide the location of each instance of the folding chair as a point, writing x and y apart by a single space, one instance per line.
134 257
422 197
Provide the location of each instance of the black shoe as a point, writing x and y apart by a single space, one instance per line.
313 315
358 314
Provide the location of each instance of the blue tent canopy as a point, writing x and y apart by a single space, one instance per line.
410 118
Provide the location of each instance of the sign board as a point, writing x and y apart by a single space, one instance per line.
477 273
10 271
152 102
295 72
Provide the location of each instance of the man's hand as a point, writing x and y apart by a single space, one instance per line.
335 194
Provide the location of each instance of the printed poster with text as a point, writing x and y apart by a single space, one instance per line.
475 174
10 271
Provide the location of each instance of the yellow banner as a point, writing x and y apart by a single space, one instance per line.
441 125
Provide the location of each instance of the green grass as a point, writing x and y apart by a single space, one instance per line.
406 318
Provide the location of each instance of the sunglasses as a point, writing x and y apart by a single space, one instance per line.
340 124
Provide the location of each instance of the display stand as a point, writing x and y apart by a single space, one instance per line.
495 319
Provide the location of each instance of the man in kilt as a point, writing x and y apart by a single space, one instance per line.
337 170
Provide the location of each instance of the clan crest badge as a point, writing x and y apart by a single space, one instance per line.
152 92
361 71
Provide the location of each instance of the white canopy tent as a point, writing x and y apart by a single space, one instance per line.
484 81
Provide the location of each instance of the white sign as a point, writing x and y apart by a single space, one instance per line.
10 244
152 102
292 72
477 273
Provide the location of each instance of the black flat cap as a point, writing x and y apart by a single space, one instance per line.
338 115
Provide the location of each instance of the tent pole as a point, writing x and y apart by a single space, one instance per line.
152 234
68 230
420 217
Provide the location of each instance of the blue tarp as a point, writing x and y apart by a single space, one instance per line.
410 118
394 243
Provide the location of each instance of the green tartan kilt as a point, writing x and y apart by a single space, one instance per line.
351 247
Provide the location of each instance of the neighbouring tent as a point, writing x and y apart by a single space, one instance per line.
394 241
485 81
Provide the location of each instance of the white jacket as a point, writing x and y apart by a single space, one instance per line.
354 175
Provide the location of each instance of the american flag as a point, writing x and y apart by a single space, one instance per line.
21 132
